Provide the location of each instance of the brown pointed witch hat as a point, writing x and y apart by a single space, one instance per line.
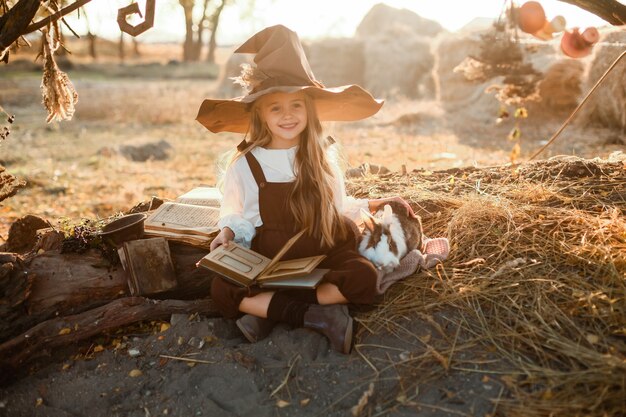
281 66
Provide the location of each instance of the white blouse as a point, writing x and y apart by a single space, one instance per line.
240 202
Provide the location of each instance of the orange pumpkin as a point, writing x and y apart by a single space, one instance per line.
531 17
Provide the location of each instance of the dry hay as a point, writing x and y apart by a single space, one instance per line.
535 287
337 61
560 88
398 63
606 105
398 59
454 89
9 185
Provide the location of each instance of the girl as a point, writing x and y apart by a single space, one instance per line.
281 182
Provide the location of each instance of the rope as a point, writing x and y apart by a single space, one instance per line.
571 116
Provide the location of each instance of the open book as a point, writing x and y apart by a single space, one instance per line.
202 196
185 223
245 267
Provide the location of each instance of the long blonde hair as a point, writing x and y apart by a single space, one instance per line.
312 200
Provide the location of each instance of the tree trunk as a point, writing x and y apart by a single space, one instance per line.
189 44
612 11
61 284
120 48
92 45
63 331
215 19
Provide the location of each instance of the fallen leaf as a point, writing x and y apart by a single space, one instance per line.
164 326
305 401
135 373
282 403
65 330
98 348
39 402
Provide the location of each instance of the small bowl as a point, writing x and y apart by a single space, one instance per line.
125 228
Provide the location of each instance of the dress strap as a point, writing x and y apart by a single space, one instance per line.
256 169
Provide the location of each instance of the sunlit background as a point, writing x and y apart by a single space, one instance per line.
311 19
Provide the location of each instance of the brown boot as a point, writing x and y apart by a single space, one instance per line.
255 328
334 322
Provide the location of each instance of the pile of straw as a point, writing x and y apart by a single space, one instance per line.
536 277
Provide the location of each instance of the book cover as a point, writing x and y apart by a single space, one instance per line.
149 267
245 267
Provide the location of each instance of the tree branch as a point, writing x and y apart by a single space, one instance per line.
56 16
612 11
14 22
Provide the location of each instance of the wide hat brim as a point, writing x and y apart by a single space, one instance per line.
345 103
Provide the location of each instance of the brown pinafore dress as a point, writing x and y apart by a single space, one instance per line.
354 275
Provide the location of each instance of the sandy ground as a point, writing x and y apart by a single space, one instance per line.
75 169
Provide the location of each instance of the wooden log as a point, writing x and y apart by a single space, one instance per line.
15 287
67 283
60 284
54 332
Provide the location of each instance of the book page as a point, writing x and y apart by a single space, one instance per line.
183 216
282 251
202 196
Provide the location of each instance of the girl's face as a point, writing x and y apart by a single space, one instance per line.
286 118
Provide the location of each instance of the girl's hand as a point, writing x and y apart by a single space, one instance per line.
377 204
225 236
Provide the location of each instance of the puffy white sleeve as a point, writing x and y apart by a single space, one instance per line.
346 205
232 207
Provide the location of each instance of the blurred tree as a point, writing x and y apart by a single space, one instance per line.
214 22
207 15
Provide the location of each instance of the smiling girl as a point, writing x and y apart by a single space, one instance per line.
282 181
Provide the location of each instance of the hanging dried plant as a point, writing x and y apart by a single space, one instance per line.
59 95
250 77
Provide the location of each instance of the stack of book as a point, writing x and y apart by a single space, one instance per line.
191 219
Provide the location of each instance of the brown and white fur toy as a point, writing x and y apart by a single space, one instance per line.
389 234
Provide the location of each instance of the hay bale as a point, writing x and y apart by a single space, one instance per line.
606 105
560 88
382 18
232 68
399 62
455 91
337 61
398 58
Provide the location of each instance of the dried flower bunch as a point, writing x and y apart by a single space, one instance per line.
250 78
59 95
